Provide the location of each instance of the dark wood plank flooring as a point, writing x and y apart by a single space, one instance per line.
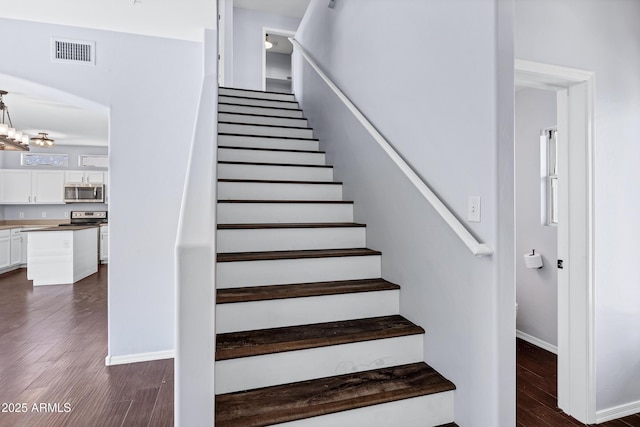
53 341
537 392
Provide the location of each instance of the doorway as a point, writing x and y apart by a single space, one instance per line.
576 332
277 73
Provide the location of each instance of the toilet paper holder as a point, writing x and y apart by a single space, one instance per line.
533 260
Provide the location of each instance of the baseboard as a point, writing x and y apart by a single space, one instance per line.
617 412
139 357
537 342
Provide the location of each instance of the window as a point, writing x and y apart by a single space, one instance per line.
549 162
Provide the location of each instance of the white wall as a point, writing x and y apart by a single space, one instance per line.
151 86
419 93
248 44
536 290
601 36
181 19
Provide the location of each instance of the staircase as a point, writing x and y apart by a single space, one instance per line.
308 333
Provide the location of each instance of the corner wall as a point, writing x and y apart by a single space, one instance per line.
151 86
443 120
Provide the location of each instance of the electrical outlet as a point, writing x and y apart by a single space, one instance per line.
66 214
473 211
44 214
21 214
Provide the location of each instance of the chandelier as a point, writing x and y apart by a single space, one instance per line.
10 137
42 140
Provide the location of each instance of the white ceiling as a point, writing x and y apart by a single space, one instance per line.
293 8
65 123
281 44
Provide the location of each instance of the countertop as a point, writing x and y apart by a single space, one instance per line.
66 228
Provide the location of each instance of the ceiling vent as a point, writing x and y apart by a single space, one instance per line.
73 51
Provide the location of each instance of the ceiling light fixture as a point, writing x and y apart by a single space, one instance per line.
267 42
42 140
10 137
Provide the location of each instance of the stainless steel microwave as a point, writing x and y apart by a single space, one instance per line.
85 193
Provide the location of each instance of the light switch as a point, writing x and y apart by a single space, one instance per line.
473 211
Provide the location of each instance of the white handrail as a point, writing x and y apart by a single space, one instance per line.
476 248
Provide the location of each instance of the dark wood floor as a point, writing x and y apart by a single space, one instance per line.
537 392
53 341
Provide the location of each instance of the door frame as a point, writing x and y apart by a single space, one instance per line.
280 32
576 245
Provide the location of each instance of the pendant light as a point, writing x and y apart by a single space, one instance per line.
42 140
9 135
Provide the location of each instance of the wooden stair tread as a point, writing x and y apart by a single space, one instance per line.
231 147
301 290
233 345
256 106
289 225
288 402
259 115
266 125
275 181
256 99
297 165
264 136
276 255
253 90
341 202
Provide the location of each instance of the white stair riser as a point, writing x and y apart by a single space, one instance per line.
247 316
291 366
261 120
266 156
264 142
282 173
264 130
260 213
259 102
256 95
424 411
290 239
288 271
246 109
278 191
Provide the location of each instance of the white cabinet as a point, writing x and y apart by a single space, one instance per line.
84 177
47 187
15 186
17 243
104 243
29 187
5 249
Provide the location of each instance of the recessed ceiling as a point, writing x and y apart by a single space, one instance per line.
293 8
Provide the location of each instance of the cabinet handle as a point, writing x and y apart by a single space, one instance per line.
29 199
35 199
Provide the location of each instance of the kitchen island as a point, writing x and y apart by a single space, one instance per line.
62 255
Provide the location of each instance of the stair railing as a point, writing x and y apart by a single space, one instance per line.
476 248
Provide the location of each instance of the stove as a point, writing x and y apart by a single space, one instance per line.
87 218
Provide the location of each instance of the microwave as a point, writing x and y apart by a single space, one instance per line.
85 193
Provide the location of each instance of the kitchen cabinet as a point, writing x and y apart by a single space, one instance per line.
5 249
84 177
16 247
31 187
104 244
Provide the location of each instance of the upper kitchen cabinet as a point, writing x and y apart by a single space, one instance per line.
84 177
31 186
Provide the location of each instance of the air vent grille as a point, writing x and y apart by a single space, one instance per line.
73 51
